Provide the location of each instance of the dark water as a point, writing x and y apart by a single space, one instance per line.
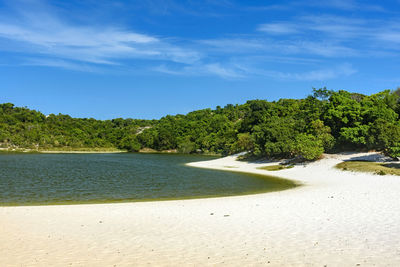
36 179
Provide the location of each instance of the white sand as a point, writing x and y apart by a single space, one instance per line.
336 219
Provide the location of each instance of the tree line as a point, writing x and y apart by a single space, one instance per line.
325 121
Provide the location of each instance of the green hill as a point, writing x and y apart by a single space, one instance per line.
325 121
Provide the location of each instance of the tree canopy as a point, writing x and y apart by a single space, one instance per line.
325 121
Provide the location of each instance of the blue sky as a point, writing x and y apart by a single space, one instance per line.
150 58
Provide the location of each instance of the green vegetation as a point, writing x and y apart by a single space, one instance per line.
276 167
373 167
326 121
30 129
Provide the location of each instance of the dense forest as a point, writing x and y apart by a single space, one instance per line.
326 121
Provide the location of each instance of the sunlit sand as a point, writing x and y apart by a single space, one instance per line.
336 218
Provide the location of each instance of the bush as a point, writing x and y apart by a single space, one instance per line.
186 147
308 147
130 143
381 172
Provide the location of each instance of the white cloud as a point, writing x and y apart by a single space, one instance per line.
322 48
227 71
334 36
235 45
234 71
391 36
315 75
47 62
278 48
326 24
64 35
347 5
49 40
340 4
278 28
45 33
222 71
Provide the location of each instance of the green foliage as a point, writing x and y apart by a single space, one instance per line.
393 150
322 93
308 147
244 142
372 167
324 121
383 134
186 146
276 167
130 143
275 137
322 133
24 128
354 136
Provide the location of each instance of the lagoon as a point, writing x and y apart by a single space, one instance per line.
46 179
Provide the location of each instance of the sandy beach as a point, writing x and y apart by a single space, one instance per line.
337 218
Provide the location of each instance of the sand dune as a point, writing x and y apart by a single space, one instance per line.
336 219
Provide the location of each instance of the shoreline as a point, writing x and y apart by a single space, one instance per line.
336 218
79 152
289 185
28 150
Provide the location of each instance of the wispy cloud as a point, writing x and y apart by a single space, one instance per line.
337 28
235 71
391 36
342 5
226 71
336 36
278 28
317 75
278 48
47 34
44 37
237 45
59 63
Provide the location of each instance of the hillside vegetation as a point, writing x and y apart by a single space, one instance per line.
326 121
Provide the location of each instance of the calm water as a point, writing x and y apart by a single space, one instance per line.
32 179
